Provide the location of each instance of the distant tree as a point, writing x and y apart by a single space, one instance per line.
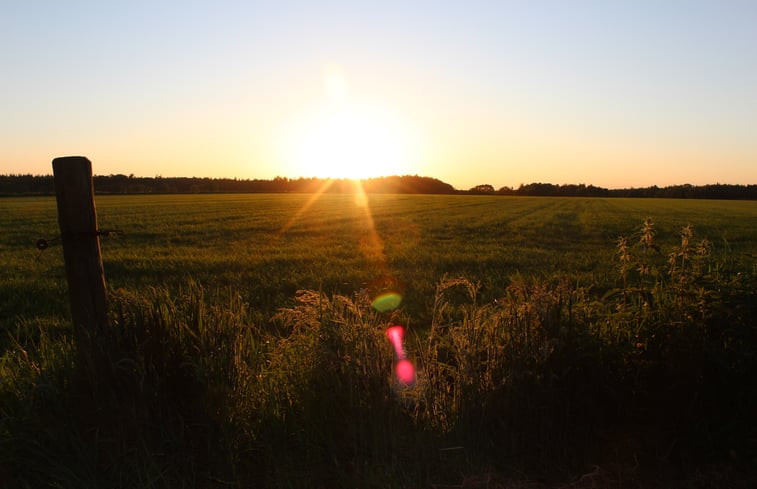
481 189
538 189
26 185
407 184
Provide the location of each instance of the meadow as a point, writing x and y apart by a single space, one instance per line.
267 246
557 340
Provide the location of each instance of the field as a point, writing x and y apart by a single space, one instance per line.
546 345
266 247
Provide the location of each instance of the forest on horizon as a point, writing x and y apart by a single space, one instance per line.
405 184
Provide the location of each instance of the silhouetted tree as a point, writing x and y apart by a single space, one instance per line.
481 189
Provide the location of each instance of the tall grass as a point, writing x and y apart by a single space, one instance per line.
648 383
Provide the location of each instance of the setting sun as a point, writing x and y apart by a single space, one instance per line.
341 137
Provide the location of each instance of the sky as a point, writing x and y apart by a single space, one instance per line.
614 94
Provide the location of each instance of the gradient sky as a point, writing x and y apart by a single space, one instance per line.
615 94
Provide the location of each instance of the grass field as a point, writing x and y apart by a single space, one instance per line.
266 247
544 348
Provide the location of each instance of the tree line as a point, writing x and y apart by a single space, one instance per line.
123 184
685 191
405 184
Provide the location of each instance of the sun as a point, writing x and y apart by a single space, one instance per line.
341 137
346 141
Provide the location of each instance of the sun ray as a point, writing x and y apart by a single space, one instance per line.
372 246
343 137
323 188
385 293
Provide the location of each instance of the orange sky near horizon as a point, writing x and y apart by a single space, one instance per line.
614 95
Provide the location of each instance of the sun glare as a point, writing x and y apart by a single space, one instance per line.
345 138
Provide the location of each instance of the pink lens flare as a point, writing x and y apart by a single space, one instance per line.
395 335
405 372
404 368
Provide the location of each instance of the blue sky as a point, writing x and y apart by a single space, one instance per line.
610 93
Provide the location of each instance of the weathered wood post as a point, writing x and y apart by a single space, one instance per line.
81 245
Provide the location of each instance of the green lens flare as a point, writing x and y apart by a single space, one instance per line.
387 301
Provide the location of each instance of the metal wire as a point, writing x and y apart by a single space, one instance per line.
44 243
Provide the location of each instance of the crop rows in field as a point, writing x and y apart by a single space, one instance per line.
267 247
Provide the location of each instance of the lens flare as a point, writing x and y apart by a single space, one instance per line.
404 369
387 301
405 372
395 335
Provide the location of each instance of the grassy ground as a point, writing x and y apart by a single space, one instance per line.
266 247
549 352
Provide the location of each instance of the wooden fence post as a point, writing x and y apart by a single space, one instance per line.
81 244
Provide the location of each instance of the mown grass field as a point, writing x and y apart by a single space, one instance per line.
266 247
543 349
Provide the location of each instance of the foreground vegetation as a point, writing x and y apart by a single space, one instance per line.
559 342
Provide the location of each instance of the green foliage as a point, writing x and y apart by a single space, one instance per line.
693 316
